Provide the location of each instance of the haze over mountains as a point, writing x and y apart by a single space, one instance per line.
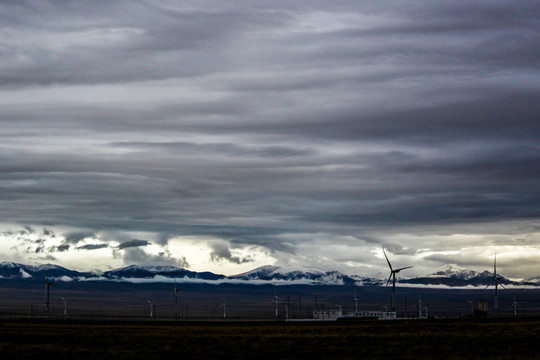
447 276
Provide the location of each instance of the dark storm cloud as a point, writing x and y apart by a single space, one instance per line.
118 43
92 246
268 123
59 248
133 243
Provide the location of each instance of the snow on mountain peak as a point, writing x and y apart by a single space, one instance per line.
46 267
9 264
262 271
276 273
161 268
454 271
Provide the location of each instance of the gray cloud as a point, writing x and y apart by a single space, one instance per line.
49 233
48 257
222 252
59 248
268 124
133 243
76 236
28 229
92 246
139 256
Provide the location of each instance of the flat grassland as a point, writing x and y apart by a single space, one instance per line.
428 339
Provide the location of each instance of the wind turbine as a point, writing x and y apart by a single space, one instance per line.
176 291
276 300
514 306
355 303
496 282
224 306
472 305
47 303
65 306
151 308
392 276
421 308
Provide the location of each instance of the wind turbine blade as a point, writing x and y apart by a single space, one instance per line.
403 268
389 278
388 261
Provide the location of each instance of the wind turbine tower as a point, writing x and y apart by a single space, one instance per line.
47 303
224 306
514 306
392 276
151 306
497 283
65 306
276 301
176 291
355 303
471 302
422 306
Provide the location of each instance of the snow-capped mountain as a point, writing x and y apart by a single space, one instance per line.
531 281
453 276
449 275
11 270
275 273
148 272
260 273
455 272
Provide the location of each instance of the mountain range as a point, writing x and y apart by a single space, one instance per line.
448 276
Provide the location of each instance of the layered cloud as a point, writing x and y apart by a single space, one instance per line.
310 131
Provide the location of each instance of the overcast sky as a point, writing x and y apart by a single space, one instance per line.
225 135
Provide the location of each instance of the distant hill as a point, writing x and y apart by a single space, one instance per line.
11 270
148 272
453 276
449 276
275 273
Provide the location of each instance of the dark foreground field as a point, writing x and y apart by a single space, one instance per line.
437 339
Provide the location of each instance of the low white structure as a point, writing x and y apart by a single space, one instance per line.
370 315
327 314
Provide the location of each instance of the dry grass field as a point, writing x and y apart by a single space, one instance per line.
437 339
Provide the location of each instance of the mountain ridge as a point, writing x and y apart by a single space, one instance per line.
448 275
